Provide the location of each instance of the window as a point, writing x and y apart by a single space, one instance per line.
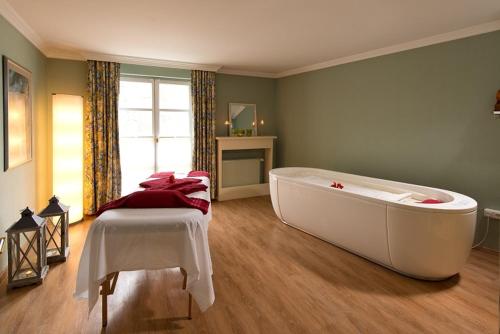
155 125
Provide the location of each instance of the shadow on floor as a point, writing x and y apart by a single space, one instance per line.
340 267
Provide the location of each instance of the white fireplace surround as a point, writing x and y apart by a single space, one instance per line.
244 143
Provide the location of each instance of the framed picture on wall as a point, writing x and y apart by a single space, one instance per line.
17 114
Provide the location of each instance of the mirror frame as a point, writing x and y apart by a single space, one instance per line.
254 128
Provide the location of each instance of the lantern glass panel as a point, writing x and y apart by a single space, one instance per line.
25 255
53 235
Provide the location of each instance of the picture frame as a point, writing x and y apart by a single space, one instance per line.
17 114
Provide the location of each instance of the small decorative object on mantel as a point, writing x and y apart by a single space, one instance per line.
241 132
57 238
26 250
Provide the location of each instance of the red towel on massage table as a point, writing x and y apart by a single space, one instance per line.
185 188
156 199
166 192
198 173
168 183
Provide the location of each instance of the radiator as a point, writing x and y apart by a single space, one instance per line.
241 172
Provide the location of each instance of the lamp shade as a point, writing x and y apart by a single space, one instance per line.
67 152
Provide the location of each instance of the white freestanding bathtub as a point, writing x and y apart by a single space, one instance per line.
380 220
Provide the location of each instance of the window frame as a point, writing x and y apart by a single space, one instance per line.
155 109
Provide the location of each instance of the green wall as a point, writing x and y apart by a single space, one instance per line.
242 89
422 116
66 77
24 185
154 71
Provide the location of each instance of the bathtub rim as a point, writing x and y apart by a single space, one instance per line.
452 207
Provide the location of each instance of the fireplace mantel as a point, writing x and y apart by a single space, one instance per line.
244 143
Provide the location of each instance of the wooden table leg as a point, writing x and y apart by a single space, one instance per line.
114 277
184 283
104 293
184 286
107 288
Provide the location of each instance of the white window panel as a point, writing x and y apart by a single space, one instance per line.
175 96
174 154
175 124
135 123
136 94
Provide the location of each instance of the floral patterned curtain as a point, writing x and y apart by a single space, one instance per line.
102 174
203 99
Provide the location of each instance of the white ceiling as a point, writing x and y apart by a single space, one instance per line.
271 37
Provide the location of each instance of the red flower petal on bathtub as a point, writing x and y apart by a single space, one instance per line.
431 201
340 186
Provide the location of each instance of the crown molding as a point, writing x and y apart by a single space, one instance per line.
58 53
436 39
150 62
24 28
248 73
83 56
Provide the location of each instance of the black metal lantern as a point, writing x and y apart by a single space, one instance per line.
57 239
26 250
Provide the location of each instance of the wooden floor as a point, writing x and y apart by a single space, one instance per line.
268 278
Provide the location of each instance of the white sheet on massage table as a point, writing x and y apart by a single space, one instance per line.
137 239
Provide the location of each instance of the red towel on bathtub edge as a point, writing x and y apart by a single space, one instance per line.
156 199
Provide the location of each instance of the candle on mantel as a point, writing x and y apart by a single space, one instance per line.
497 106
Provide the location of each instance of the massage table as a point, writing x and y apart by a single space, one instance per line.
145 239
